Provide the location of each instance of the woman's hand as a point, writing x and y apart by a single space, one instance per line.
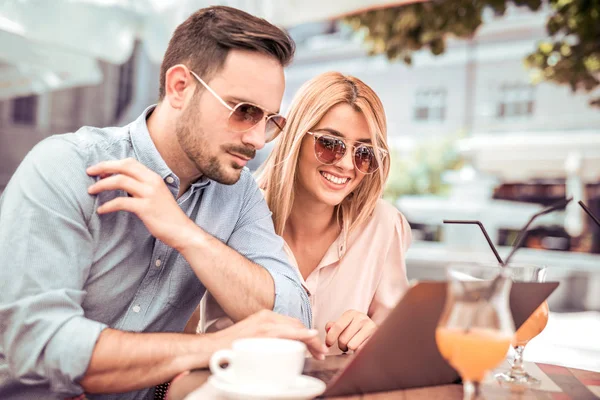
351 331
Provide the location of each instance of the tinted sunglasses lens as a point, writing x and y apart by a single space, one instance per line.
329 149
245 116
364 159
275 125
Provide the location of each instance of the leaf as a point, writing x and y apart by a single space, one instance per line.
592 63
546 47
437 46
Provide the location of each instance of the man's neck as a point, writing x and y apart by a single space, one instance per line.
163 135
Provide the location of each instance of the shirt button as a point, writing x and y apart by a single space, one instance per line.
170 179
158 263
136 308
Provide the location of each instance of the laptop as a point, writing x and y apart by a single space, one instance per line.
402 353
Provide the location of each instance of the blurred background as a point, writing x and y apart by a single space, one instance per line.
493 111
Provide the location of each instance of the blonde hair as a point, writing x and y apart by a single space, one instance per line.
314 99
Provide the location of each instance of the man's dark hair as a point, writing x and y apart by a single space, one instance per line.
203 41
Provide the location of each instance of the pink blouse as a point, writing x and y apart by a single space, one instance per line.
369 278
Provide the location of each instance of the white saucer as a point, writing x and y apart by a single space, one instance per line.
304 388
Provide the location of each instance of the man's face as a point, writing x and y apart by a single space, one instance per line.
203 131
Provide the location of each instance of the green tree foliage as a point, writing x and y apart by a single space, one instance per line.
570 56
420 171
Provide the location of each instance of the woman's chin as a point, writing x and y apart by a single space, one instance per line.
331 199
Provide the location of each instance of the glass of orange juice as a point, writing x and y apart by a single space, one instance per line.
516 376
476 328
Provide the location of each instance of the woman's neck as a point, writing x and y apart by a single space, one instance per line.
309 220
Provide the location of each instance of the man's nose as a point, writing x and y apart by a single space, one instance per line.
255 137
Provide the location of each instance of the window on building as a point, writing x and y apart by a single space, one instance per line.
125 91
515 100
430 105
24 110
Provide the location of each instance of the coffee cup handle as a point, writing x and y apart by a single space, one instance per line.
218 358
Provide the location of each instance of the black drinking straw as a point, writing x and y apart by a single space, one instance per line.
523 233
589 212
490 291
487 237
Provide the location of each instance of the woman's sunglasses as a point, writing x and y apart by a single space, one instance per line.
245 116
331 149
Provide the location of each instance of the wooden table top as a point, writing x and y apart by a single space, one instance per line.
558 383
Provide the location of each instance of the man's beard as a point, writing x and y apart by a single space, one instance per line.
195 144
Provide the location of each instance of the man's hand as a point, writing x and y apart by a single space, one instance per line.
267 323
351 331
150 199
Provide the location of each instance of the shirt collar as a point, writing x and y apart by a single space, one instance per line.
143 146
332 256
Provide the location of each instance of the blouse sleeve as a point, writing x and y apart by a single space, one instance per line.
393 282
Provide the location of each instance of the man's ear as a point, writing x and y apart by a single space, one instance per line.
178 84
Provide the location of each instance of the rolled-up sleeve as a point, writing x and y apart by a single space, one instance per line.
47 251
254 237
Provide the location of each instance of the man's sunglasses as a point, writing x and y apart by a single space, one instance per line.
245 116
331 149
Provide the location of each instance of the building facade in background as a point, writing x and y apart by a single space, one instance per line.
24 121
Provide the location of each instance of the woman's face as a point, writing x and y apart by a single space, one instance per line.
330 184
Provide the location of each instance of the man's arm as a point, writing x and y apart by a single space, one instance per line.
241 286
47 251
254 237
124 361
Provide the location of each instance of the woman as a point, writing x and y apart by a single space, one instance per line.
323 182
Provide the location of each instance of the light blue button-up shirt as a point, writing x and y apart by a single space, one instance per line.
67 273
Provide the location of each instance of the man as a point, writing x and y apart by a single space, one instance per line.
106 233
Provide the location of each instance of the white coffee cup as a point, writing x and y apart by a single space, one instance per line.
264 362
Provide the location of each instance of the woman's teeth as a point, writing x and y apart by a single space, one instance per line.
334 179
